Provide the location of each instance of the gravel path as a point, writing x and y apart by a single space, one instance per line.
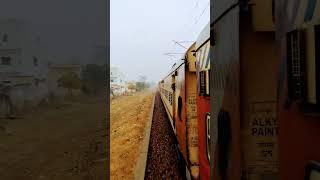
163 162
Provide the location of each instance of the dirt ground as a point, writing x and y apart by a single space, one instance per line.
56 143
129 115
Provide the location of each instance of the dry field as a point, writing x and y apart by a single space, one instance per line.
129 115
56 143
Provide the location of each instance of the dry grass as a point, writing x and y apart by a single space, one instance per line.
129 115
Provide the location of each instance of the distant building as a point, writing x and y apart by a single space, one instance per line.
118 83
23 67
58 70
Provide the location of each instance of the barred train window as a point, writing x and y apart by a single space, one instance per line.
204 83
303 61
295 58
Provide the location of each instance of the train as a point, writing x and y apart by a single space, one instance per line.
182 98
244 99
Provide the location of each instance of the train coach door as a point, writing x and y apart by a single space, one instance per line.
173 86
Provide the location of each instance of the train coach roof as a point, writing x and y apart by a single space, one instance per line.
204 36
182 59
298 14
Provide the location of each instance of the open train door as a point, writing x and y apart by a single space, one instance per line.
174 94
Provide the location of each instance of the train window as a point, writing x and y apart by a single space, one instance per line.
179 107
204 83
295 58
173 86
303 53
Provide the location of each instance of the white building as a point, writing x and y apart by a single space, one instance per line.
118 83
23 66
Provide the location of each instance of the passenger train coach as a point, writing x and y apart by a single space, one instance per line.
185 95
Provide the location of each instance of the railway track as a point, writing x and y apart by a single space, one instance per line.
163 161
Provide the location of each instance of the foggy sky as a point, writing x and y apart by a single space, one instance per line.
141 31
69 28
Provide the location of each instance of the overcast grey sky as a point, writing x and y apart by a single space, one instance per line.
70 28
141 31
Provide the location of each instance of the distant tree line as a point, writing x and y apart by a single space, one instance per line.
142 86
142 83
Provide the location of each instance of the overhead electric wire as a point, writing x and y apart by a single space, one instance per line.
173 53
188 27
179 44
185 41
204 10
